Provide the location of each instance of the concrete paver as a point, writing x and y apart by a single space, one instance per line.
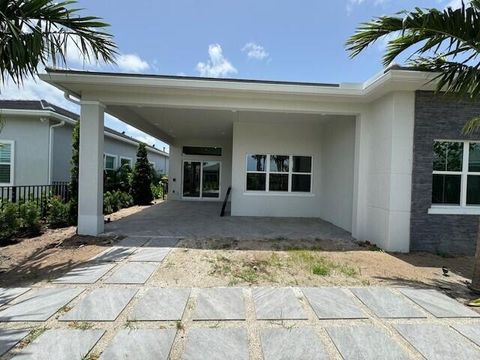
103 304
438 304
9 338
387 304
38 304
292 344
115 253
220 304
333 303
140 344
277 304
438 342
161 305
60 344
470 331
8 294
132 273
85 275
156 254
216 344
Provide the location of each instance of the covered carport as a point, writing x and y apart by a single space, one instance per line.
228 113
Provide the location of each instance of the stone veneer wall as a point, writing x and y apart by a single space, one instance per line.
438 117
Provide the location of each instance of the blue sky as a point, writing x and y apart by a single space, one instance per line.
268 39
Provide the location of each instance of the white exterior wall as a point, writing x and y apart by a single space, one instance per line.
291 134
31 138
337 149
175 163
122 149
384 172
62 153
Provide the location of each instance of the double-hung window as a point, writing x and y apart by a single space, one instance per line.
6 162
125 161
456 175
279 173
110 162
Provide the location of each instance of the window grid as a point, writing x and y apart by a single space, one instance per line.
114 157
10 161
290 173
125 160
464 173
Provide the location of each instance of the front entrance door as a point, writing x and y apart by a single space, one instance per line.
201 179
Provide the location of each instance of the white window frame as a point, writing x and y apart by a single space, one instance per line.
115 161
125 158
201 198
12 161
290 174
462 208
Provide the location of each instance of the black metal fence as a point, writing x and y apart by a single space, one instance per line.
37 193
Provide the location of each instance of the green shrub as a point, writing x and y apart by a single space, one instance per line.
29 218
116 200
126 200
142 178
108 204
157 191
9 224
58 213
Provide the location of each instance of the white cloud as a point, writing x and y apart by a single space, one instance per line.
255 51
132 63
125 62
351 4
217 65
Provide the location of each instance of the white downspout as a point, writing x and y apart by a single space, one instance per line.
50 151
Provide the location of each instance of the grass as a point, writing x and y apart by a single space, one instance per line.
245 270
81 325
319 265
273 266
34 334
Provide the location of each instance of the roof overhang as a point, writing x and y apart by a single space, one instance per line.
49 114
124 94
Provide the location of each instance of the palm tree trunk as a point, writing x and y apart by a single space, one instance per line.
476 269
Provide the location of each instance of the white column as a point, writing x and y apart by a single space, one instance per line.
90 184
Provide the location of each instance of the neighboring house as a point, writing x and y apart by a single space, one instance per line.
36 144
384 160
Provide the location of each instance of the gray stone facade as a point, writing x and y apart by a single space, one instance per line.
438 117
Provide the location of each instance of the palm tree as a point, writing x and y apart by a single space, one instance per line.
38 32
445 42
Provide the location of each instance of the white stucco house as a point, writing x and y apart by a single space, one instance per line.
373 158
36 145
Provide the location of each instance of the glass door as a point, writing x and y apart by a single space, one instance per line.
191 178
201 179
211 179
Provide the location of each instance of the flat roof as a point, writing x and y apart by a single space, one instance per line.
180 77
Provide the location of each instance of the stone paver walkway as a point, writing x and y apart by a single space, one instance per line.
107 309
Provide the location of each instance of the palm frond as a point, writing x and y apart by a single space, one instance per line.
472 126
454 30
34 32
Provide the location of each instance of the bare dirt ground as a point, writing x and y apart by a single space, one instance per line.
53 253
213 262
230 262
